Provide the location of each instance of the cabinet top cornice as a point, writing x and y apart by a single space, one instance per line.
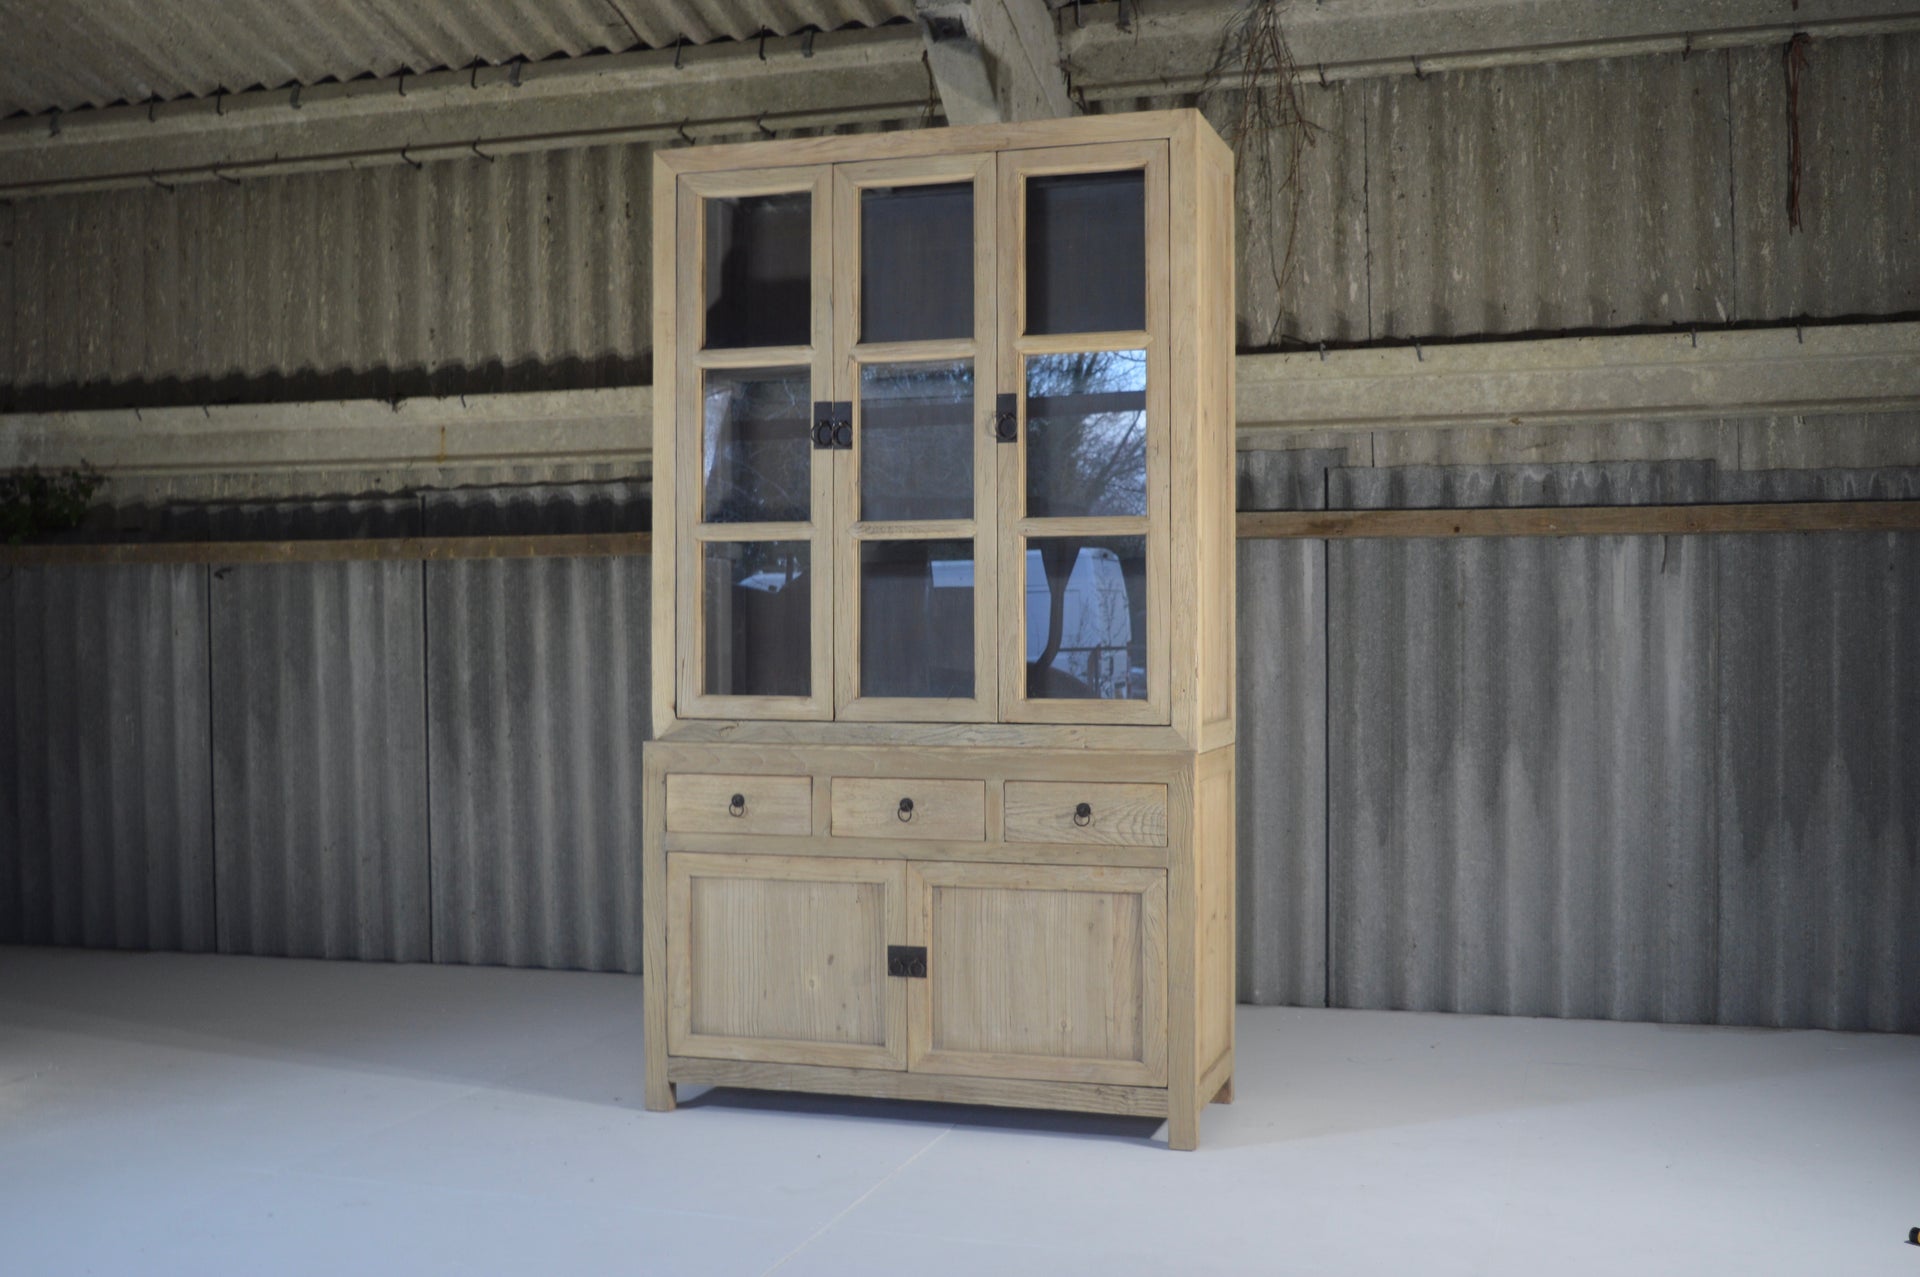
1185 123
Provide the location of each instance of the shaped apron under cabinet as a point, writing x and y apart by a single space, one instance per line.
941 801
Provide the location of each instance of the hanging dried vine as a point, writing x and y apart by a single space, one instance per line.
1268 129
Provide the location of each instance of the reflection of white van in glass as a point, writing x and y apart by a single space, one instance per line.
1095 629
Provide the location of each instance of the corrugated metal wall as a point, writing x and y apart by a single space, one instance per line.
1627 777
106 834
1601 194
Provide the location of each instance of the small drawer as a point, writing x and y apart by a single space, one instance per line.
868 807
713 804
1101 813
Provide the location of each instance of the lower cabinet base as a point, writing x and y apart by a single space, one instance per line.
1084 1097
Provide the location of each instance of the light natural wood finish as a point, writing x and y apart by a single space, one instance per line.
1215 966
702 803
783 959
573 545
1586 521
1120 815
1085 1097
1069 966
950 810
1049 972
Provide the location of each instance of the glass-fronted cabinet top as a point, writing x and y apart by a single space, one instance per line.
921 438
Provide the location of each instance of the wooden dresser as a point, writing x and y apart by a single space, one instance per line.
941 802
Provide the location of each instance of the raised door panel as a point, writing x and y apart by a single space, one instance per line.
1053 973
783 959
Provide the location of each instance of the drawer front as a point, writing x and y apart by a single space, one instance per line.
872 807
1115 815
703 803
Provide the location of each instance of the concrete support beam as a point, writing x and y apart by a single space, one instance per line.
1408 405
1170 47
691 94
994 61
1845 368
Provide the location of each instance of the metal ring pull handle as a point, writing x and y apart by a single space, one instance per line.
1083 815
906 809
737 805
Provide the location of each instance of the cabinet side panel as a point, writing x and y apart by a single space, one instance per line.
1214 422
1214 927
666 277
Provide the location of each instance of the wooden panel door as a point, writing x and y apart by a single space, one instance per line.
1051 972
784 959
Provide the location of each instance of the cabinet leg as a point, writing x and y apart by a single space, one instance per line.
660 1094
1183 1124
1225 1094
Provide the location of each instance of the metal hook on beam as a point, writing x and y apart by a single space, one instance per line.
482 154
409 159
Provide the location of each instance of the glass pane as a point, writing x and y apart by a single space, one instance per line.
758 618
916 262
1087 253
759 270
916 441
1087 618
1087 434
756 447
916 618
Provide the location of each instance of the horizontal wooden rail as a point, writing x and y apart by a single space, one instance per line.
1575 521
1310 525
438 549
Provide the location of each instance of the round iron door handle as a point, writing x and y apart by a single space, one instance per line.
1006 427
823 434
737 805
905 812
843 434
1083 815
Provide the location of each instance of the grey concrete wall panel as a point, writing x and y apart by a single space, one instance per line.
106 834
112 51
319 760
1819 790
1518 735
1281 834
1558 196
1858 440
1858 249
530 272
537 702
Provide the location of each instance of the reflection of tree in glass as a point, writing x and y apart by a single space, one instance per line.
756 443
1087 434
1086 455
916 441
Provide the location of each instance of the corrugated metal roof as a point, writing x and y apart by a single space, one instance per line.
67 56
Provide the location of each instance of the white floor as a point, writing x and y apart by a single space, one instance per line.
211 1115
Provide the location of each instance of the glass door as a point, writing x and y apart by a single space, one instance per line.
754 373
1083 458
915 332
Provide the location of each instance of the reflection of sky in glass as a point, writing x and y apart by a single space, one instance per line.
755 462
916 441
1087 434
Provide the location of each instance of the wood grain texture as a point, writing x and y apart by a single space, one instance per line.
783 959
703 803
1576 521
1084 1097
942 809
1214 927
1120 815
1047 972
